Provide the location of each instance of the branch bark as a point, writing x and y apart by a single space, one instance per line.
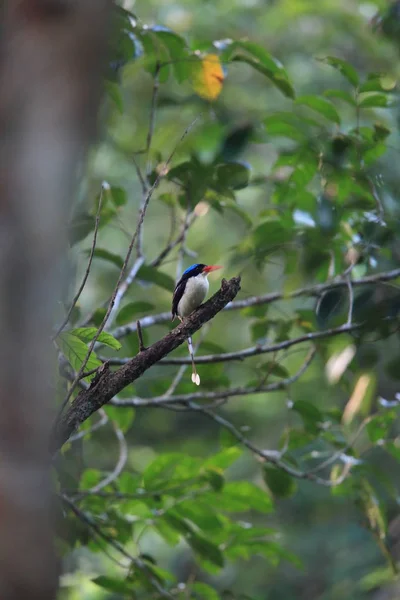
107 384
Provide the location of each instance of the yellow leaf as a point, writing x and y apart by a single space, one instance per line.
208 77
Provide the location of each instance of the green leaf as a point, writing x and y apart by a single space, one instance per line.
273 368
202 514
346 69
268 237
202 591
175 45
152 275
130 311
109 256
321 106
223 459
341 95
240 212
118 195
378 427
235 142
89 478
80 226
381 83
86 334
394 449
122 416
173 467
110 584
75 351
259 330
238 496
215 479
372 155
232 176
329 306
167 532
227 439
258 58
205 549
279 482
195 178
274 552
114 92
310 414
374 100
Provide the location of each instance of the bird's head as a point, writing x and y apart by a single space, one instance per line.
200 269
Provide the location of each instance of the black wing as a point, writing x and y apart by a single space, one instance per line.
178 293
180 286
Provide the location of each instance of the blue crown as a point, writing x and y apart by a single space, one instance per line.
189 269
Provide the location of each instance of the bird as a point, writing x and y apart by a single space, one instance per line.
189 293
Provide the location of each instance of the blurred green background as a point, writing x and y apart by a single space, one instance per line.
341 559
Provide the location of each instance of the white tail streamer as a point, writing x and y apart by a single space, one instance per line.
195 375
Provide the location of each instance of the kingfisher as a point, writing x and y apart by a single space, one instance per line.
189 293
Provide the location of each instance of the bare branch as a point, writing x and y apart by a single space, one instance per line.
253 350
226 393
310 291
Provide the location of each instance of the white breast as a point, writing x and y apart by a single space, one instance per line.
195 291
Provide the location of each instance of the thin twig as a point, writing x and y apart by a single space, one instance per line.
142 347
139 174
86 275
88 373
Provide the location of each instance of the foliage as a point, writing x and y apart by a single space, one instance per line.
299 195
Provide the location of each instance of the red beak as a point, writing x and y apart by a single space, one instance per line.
211 268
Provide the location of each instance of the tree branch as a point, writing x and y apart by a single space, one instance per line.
108 384
225 393
310 291
253 350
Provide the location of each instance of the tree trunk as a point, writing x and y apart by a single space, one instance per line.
51 55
